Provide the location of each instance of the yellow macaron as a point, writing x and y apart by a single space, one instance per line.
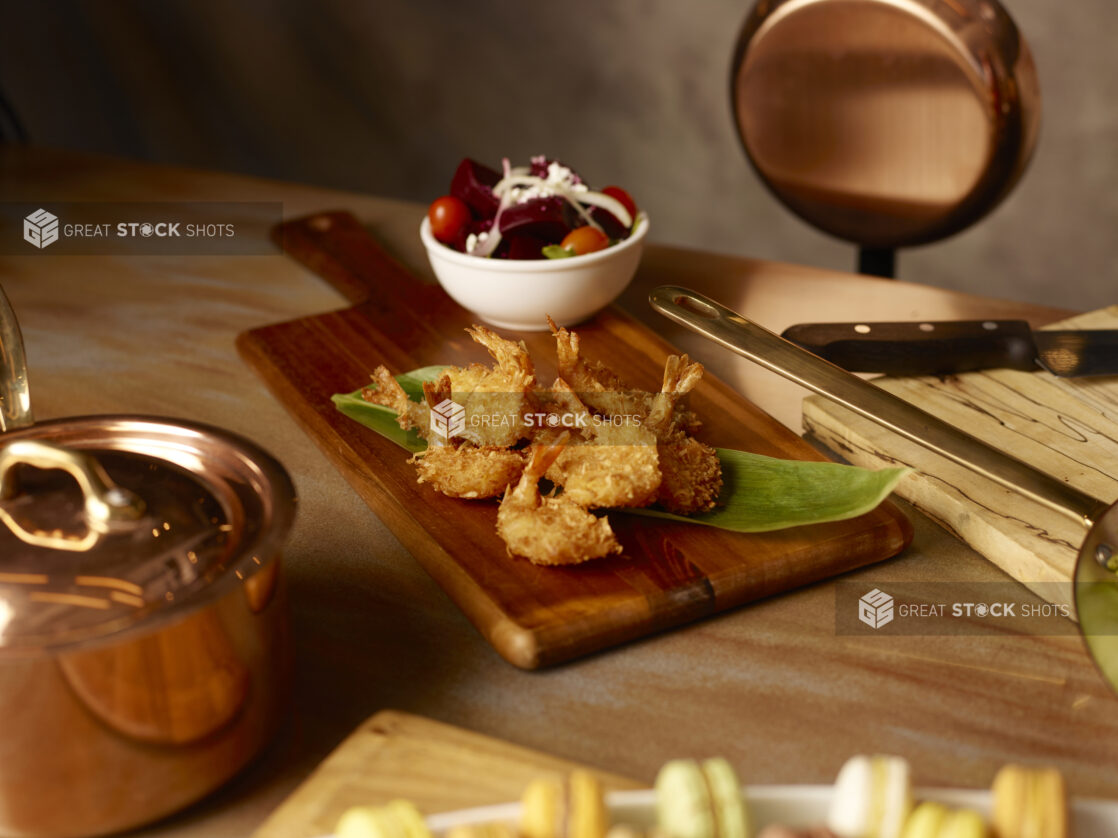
1030 803
398 819
571 808
482 830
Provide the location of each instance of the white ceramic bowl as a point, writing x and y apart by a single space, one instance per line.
520 294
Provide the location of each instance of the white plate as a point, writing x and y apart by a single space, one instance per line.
796 806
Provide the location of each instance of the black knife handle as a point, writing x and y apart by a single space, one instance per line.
920 348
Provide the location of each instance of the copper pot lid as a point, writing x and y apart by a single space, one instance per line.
194 511
885 122
110 522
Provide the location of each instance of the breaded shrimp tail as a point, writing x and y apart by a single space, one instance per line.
542 458
387 392
680 377
582 374
511 356
598 386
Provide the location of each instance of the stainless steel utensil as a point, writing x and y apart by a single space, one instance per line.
15 395
1096 572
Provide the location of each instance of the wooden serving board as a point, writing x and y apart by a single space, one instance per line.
438 767
1066 427
670 573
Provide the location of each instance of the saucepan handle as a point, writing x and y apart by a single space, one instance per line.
104 503
729 329
15 398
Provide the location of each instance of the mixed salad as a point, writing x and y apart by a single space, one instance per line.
540 211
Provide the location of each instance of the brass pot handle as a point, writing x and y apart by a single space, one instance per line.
105 505
15 397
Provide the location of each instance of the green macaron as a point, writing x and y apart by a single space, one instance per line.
700 800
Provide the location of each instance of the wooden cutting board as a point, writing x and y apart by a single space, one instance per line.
670 573
438 767
1066 427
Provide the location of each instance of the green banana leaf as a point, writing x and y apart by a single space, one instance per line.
759 493
383 419
762 493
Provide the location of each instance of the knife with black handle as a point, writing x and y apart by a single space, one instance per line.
952 346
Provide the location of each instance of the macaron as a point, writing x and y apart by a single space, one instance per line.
627 830
1030 803
570 808
872 798
701 800
934 820
495 829
398 819
776 831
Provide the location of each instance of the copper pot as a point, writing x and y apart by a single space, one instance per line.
888 123
144 644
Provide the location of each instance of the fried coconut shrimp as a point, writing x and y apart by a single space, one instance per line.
680 378
691 473
550 530
603 391
609 465
497 396
468 471
602 445
387 392
598 385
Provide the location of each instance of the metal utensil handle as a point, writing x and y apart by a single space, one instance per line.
15 397
739 335
104 503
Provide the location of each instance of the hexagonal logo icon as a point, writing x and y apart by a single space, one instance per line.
448 419
875 609
40 228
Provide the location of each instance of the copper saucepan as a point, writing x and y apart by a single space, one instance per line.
887 123
1096 570
144 647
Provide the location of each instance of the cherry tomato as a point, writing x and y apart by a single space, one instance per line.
449 217
619 194
585 240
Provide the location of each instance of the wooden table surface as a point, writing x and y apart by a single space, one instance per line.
771 686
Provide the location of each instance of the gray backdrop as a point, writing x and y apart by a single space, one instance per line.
385 97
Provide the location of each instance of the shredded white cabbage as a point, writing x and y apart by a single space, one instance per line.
518 186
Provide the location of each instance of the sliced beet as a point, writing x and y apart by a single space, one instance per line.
610 223
479 226
522 247
547 219
473 183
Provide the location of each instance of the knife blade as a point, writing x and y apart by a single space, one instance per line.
951 346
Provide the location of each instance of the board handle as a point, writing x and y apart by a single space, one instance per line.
337 247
